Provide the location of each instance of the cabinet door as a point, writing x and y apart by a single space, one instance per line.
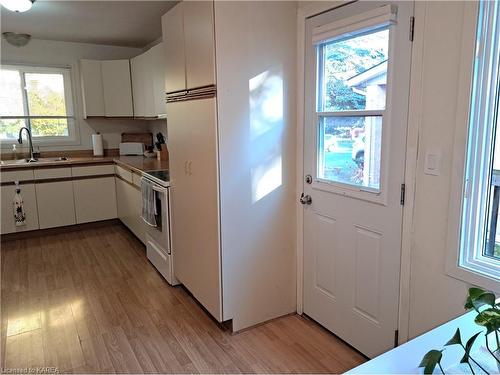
158 77
129 208
7 225
117 87
95 199
173 39
199 43
122 206
149 104
138 72
194 197
92 90
55 203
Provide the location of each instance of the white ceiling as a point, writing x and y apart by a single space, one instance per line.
121 23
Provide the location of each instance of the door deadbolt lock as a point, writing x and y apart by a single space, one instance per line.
305 199
309 179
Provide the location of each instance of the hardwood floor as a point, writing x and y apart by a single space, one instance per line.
89 302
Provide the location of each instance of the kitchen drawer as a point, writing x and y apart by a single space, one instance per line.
49 173
11 176
136 179
123 173
93 170
159 259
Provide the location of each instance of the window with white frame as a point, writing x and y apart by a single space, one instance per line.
480 234
351 101
39 98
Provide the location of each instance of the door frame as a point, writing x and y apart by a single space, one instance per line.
304 12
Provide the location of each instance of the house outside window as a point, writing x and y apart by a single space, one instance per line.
351 101
39 98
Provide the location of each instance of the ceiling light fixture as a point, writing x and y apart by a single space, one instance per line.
18 6
17 40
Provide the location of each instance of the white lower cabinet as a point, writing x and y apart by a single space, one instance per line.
95 199
7 224
56 207
57 197
129 208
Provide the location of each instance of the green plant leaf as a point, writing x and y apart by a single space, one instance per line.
478 297
430 360
486 298
456 339
472 294
489 318
468 347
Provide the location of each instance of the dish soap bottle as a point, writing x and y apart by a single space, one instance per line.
14 152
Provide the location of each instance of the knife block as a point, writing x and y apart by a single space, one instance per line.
163 153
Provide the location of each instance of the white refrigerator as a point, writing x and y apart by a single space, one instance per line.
194 181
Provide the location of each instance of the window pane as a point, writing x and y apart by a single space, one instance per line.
9 128
11 98
492 248
353 73
49 127
349 150
45 94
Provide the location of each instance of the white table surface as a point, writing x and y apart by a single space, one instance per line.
405 358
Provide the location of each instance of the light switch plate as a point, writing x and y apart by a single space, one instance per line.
432 163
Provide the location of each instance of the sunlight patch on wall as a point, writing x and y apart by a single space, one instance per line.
266 178
266 128
266 102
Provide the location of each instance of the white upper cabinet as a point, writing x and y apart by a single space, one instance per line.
92 91
148 82
157 55
138 72
117 88
199 43
188 35
173 37
106 88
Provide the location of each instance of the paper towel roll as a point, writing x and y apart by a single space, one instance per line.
97 144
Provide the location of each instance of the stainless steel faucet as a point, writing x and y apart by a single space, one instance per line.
32 159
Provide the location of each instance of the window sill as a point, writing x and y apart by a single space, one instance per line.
49 142
473 277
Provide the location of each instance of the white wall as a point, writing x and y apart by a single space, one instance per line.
256 76
434 296
56 53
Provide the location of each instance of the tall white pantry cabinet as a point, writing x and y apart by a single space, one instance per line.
232 162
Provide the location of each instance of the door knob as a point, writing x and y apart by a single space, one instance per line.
305 199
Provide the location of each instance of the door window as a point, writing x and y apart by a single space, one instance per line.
351 101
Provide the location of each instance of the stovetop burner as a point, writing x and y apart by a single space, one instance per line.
159 176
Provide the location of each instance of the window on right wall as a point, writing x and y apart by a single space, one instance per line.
480 223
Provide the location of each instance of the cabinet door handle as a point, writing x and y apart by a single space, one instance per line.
190 163
186 167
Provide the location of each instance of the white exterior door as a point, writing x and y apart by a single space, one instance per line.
356 102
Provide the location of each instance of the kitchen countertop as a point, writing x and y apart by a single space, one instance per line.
138 163
141 163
